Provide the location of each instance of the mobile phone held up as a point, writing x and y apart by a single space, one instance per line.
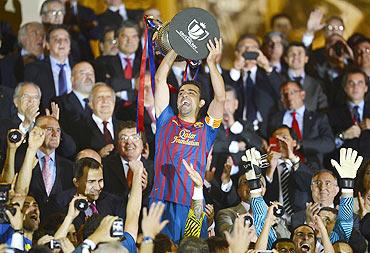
250 55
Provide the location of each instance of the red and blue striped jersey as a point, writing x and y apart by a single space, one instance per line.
177 140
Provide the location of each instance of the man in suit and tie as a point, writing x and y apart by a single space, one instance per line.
350 121
288 180
120 70
52 173
89 182
31 38
75 105
296 57
53 74
117 172
315 137
254 81
100 129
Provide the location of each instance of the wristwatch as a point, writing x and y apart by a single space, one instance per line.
340 136
147 239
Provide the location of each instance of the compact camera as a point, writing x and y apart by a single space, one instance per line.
54 244
14 136
81 204
117 228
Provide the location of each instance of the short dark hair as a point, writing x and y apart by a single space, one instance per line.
354 70
131 124
106 30
232 89
268 36
282 86
86 162
296 44
291 131
53 28
302 225
248 36
216 243
195 83
329 209
193 245
162 243
279 15
279 240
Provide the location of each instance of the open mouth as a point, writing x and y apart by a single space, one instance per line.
34 217
305 247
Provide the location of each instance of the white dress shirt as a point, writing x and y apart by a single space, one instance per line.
287 119
56 69
99 122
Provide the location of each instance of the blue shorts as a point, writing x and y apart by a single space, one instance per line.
177 215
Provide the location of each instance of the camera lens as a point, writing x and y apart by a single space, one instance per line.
81 204
14 136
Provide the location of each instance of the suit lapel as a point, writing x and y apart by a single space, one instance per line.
58 175
37 174
117 65
95 130
118 169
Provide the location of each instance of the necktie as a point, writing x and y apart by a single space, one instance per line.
285 188
107 136
86 101
251 110
93 208
129 177
47 175
298 79
295 126
62 80
128 69
356 114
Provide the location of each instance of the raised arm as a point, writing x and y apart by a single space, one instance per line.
135 199
216 108
162 93
8 172
35 140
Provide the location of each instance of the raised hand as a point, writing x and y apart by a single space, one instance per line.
314 22
54 110
105 151
151 223
254 157
312 209
102 233
194 175
72 210
30 115
15 145
215 50
36 138
239 238
349 162
226 172
136 166
210 173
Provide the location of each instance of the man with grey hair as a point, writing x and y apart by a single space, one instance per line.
31 39
26 99
99 130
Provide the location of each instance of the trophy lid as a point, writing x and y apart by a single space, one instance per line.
190 31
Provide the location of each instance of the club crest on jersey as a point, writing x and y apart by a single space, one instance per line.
185 137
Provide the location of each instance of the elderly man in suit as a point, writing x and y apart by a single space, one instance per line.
31 38
99 130
52 173
117 172
53 74
350 121
296 57
315 137
75 105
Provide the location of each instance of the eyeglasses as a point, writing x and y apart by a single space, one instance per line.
327 184
335 28
56 12
125 138
363 51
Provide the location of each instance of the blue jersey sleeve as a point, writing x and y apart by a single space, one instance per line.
211 136
129 243
164 117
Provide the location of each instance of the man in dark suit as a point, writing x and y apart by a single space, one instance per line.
120 70
296 58
53 74
100 129
315 137
75 105
31 39
27 100
89 182
52 173
117 172
288 180
351 120
254 81
114 15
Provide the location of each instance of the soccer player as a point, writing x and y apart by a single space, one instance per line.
183 137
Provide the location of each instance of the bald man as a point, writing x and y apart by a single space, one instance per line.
74 105
88 152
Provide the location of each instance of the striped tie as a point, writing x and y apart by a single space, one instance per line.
285 189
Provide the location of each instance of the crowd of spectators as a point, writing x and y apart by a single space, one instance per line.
271 154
